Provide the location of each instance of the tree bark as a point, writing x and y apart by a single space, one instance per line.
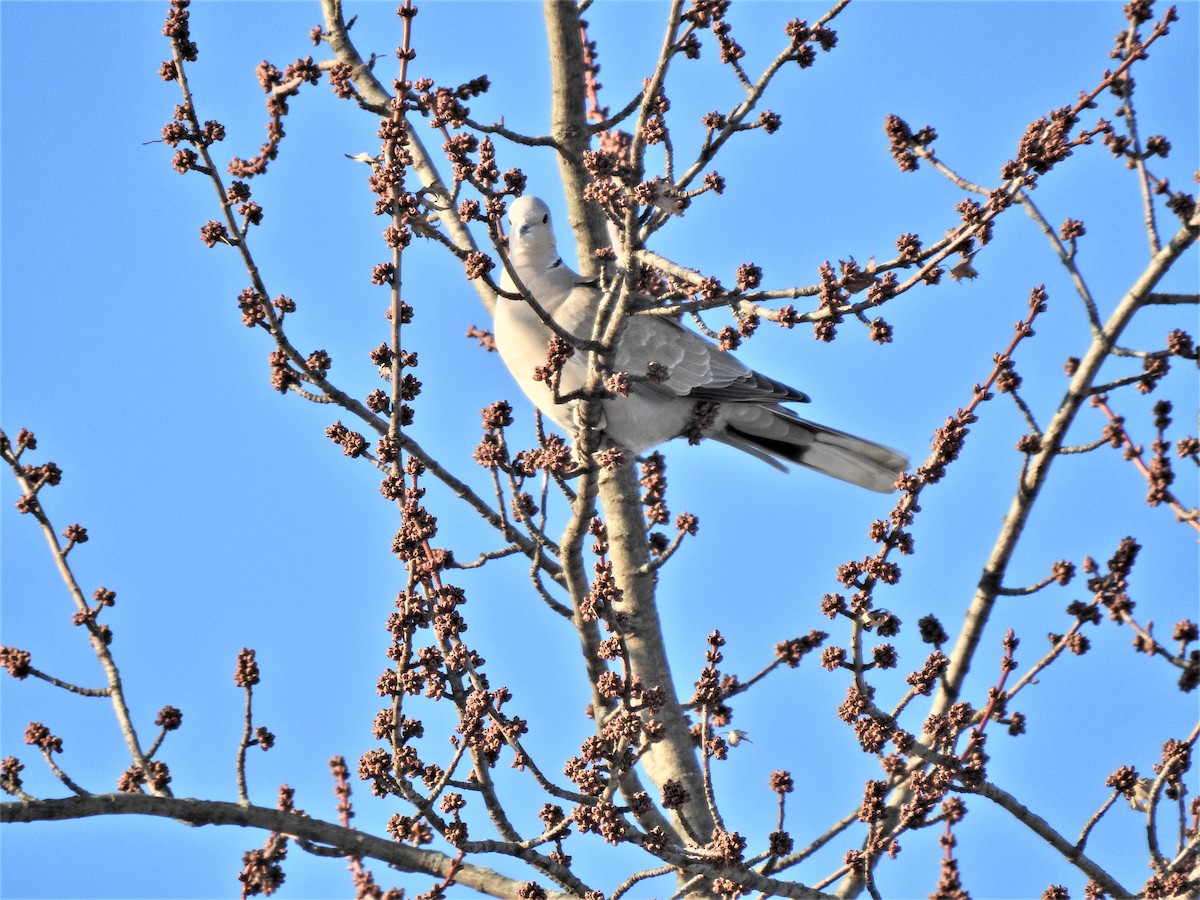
673 758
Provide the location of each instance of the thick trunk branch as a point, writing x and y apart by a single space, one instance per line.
674 757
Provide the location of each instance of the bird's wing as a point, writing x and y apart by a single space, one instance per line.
696 368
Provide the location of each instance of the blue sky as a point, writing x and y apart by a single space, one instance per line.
224 518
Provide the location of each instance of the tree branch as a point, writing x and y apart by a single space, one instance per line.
348 841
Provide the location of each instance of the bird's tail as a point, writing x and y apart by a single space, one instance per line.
785 436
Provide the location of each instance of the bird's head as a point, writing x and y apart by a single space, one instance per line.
531 238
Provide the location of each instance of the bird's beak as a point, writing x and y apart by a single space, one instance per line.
524 229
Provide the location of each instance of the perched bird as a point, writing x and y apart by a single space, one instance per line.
706 392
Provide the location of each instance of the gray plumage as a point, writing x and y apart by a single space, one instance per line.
746 411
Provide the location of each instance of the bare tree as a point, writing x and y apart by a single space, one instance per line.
592 525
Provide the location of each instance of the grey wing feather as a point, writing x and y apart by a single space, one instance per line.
697 368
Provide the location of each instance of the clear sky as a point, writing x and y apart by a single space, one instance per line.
223 517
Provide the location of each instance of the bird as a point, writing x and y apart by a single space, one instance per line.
707 392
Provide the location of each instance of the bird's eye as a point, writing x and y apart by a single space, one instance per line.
545 218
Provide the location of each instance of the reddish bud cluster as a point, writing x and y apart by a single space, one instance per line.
39 736
1044 144
831 297
15 661
654 483
703 417
246 673
925 679
176 28
213 233
353 444
905 145
793 650
478 264
444 105
801 34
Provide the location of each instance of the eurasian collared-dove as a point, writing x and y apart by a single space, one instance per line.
706 391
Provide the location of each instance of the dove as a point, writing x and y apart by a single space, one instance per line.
706 393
